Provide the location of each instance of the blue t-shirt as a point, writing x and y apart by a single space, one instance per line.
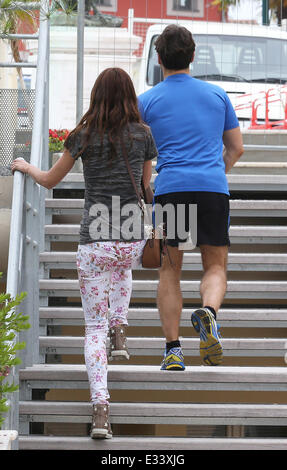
187 117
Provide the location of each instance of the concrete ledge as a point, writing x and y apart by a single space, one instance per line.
6 438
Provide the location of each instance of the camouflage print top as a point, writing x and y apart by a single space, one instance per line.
111 210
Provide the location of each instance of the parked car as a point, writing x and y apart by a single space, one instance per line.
248 61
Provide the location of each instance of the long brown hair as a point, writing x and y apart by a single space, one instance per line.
113 105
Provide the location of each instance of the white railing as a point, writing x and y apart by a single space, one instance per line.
27 224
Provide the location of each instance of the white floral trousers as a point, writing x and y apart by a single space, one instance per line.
105 277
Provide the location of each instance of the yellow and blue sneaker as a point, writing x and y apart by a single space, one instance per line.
204 323
173 360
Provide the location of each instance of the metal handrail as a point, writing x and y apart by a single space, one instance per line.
26 65
23 5
40 93
18 36
15 256
26 233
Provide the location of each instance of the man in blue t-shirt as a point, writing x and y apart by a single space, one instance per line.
199 140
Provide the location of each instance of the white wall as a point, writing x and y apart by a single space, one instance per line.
8 76
104 47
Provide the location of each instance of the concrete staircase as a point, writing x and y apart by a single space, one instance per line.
240 405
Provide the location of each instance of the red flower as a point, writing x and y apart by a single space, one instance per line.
60 134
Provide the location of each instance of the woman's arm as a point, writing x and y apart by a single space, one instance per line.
49 178
147 172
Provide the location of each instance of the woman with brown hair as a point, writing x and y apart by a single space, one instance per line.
111 241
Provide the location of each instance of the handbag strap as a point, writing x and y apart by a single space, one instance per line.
164 244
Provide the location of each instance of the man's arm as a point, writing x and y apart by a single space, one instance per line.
233 150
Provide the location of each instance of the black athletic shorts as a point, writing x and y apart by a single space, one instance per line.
213 217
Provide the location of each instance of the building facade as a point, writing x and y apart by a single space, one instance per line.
148 10
165 9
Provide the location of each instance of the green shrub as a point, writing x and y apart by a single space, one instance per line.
11 323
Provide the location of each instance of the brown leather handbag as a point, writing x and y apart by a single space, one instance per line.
155 245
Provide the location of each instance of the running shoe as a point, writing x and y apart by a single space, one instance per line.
204 323
173 360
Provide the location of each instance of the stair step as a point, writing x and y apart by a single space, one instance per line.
128 377
251 182
159 413
139 346
190 289
263 153
238 234
196 378
169 444
236 261
260 167
239 208
237 317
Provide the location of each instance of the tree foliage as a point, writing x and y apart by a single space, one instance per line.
11 19
279 7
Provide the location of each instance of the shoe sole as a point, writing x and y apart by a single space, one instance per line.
173 364
100 434
174 367
210 347
119 355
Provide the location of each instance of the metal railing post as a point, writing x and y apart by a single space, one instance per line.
131 21
13 282
27 226
34 204
80 59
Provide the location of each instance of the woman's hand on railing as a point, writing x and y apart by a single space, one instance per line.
20 164
49 179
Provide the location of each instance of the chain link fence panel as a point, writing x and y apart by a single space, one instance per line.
16 123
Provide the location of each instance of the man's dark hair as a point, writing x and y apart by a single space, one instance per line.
175 46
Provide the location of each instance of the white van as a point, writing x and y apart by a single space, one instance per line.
248 61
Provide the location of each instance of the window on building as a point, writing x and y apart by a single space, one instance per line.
107 5
191 8
185 5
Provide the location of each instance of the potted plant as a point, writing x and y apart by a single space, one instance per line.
57 138
11 323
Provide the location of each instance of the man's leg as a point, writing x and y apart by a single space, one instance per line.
169 298
212 290
214 281
169 301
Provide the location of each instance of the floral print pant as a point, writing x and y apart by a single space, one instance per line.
105 278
